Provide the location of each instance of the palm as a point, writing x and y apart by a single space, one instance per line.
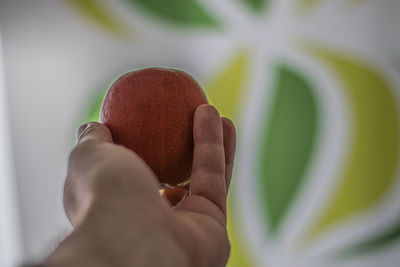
203 235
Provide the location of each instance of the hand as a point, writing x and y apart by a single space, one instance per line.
119 218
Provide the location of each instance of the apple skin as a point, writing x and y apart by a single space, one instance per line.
151 111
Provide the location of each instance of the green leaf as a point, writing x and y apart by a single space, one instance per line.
182 12
256 5
373 151
288 140
100 15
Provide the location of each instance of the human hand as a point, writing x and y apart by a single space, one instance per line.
119 218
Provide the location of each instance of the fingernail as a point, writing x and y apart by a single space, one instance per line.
81 129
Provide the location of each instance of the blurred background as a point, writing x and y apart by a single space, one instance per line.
313 87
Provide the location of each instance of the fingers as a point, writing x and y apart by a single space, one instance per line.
229 147
208 172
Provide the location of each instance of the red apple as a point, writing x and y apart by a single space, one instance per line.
150 111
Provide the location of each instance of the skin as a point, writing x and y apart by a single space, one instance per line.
119 218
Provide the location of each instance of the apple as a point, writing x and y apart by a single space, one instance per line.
150 111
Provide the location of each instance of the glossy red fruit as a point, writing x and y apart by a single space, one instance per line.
150 111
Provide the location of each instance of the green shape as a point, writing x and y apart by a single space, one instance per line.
373 151
182 12
389 236
256 5
287 145
99 14
226 89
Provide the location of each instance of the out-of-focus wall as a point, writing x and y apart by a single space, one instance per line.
10 238
313 88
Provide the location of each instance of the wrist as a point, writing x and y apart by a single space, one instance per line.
109 236
83 249
78 249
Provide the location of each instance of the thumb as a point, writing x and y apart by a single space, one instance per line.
94 131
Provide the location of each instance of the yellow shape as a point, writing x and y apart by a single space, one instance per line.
356 3
99 14
226 90
307 5
373 152
239 253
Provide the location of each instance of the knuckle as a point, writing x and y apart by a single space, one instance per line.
209 180
209 167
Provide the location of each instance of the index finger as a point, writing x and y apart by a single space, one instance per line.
208 172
